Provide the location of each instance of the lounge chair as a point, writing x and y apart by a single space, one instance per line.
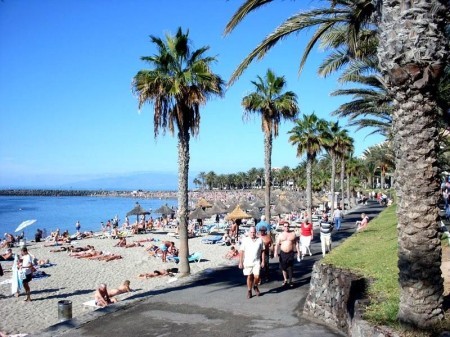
194 257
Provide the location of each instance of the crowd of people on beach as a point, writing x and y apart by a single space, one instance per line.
252 244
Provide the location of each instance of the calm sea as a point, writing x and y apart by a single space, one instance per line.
64 212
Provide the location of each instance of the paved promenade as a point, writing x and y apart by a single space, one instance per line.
214 303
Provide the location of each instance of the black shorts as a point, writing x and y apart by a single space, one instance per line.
286 260
28 278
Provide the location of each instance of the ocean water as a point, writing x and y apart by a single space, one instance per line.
64 212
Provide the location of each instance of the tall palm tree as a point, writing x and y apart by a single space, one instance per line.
345 144
270 100
332 147
308 136
413 51
180 81
352 17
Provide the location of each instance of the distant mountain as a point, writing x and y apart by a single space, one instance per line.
154 181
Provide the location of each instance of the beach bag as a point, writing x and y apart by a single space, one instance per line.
22 274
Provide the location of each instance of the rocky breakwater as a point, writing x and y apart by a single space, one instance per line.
336 297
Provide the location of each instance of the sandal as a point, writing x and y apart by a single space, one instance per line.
249 294
284 283
255 288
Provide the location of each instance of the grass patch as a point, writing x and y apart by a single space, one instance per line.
372 253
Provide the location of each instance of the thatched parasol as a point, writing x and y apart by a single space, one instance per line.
164 209
198 213
255 213
138 210
203 203
237 213
216 209
259 203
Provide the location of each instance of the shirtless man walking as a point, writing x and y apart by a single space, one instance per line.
287 241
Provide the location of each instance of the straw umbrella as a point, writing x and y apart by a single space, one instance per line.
203 203
237 214
198 213
138 210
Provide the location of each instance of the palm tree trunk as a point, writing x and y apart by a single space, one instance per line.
412 52
342 183
267 172
309 162
349 198
332 183
183 174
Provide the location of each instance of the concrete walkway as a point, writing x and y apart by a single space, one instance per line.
214 303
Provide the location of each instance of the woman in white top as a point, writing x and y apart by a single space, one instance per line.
26 267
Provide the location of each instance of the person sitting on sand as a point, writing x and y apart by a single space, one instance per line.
101 297
122 289
121 243
161 272
232 253
8 256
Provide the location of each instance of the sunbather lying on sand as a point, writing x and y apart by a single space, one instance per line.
161 272
86 254
106 257
133 244
122 289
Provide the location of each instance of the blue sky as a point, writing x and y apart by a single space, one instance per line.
67 112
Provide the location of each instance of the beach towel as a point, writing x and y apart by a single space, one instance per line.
16 281
40 274
92 304
212 239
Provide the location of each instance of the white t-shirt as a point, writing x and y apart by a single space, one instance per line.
252 251
26 261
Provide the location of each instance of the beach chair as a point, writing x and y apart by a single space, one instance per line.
194 257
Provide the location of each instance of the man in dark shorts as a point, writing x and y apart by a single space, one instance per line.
288 243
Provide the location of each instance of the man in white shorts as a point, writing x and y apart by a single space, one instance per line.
251 258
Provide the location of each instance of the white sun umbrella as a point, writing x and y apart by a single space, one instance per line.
25 224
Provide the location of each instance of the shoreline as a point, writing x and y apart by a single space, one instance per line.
76 279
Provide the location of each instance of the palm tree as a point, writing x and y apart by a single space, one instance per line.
307 135
345 144
351 17
180 82
273 104
413 51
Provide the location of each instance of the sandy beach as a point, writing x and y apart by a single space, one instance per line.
76 279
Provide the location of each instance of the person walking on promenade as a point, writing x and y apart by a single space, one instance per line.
268 251
251 260
326 227
306 235
337 217
288 243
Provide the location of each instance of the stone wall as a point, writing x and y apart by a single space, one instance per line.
336 297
